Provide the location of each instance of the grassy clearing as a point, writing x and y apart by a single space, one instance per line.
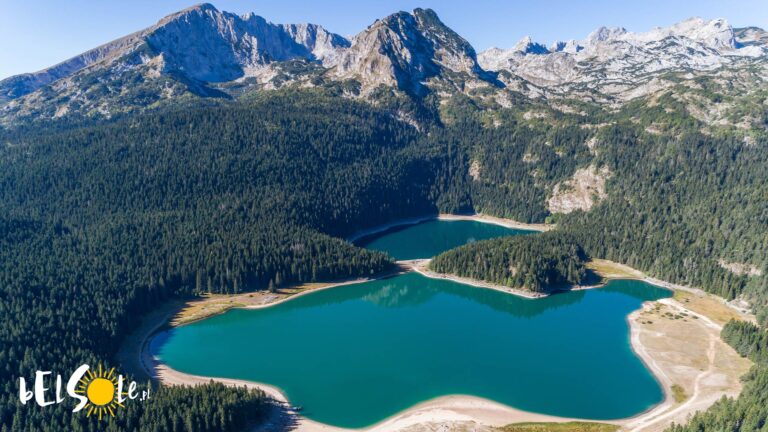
612 270
708 305
560 427
678 393
213 304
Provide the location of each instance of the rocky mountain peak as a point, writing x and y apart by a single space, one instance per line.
750 36
526 45
406 49
204 51
571 47
603 34
214 46
614 62
716 33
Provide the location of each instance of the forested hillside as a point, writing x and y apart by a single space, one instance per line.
678 202
101 223
236 195
540 263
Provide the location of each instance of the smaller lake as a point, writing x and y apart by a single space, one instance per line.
431 238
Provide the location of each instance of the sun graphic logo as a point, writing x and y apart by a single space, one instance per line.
99 392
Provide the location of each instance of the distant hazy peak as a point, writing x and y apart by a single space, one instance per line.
571 47
526 45
602 34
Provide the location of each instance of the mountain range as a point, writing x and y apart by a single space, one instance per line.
204 52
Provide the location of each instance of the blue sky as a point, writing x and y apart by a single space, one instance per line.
35 34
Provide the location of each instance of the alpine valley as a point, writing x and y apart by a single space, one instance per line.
216 160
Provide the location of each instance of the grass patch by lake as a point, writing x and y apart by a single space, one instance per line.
708 305
560 427
613 270
678 393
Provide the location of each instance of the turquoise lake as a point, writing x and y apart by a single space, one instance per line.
354 355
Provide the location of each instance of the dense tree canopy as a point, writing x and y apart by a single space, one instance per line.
101 222
540 262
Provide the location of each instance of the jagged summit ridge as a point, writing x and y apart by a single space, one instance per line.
406 49
615 61
207 52
200 43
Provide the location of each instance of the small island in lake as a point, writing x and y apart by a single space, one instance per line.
541 263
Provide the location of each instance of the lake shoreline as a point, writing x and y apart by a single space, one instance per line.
421 266
452 409
465 408
445 409
477 217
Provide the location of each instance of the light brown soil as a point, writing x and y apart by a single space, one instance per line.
613 270
711 306
684 349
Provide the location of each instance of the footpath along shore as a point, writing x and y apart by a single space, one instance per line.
678 343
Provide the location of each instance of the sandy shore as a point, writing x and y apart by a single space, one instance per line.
685 352
683 348
509 223
445 411
421 266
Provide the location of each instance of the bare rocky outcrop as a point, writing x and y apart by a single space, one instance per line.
618 63
405 50
474 170
742 269
187 50
582 191
204 52
201 42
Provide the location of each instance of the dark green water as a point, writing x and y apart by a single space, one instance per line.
354 355
431 238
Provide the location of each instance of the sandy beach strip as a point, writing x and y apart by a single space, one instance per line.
509 223
443 410
682 348
421 266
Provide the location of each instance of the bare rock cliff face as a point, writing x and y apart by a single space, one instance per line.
203 52
183 53
405 50
200 43
582 191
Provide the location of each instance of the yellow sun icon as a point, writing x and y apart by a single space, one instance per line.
101 390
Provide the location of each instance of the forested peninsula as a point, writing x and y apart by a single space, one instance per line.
542 263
